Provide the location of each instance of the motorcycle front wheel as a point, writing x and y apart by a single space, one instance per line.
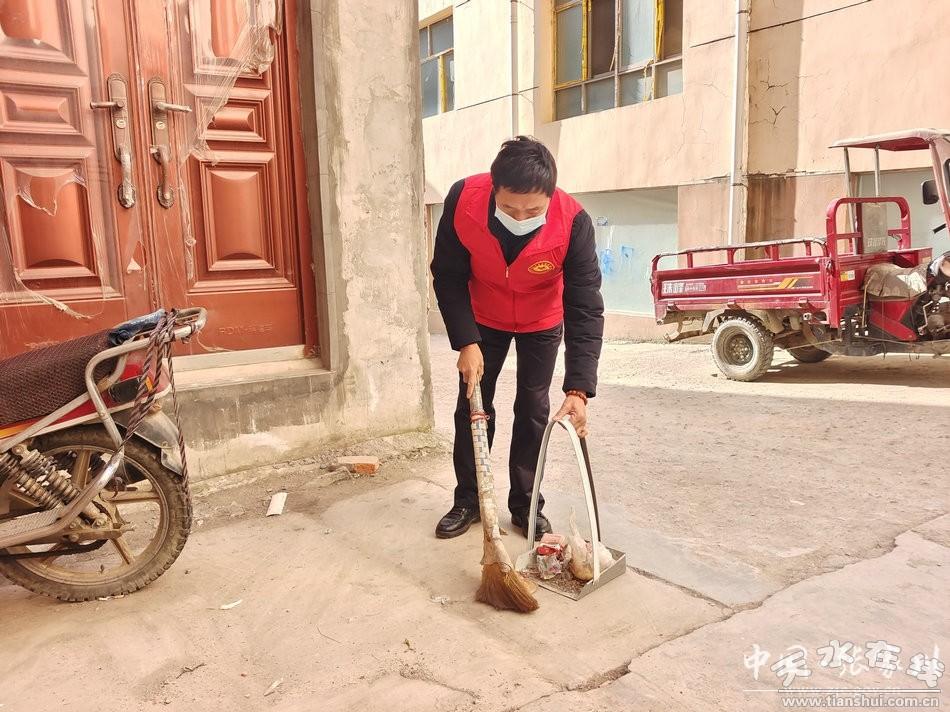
150 505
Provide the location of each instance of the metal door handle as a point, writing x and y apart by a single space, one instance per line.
126 190
117 104
122 146
161 145
165 106
162 155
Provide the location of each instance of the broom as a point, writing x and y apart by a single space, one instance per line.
502 586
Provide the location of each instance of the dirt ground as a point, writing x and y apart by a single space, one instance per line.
806 506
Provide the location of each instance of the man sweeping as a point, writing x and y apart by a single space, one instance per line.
515 260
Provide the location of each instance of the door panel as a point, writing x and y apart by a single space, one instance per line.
63 236
224 235
243 256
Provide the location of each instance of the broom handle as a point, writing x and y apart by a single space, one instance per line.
486 482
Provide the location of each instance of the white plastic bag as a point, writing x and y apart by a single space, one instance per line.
604 556
581 561
581 564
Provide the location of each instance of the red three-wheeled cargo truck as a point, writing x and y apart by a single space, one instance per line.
859 290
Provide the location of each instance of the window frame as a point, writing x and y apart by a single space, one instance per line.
647 68
442 59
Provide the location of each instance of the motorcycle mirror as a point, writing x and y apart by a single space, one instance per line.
929 190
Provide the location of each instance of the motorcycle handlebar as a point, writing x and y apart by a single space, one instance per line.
187 322
192 320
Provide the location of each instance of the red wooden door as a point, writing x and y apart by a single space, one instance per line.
71 257
217 220
230 242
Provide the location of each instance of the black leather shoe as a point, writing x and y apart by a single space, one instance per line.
456 522
519 519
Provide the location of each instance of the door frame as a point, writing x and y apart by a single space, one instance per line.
306 238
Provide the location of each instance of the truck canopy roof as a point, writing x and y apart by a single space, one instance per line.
909 140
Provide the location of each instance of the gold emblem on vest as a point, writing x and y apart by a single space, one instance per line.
541 267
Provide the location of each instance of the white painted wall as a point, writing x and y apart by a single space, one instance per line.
923 218
664 142
631 227
869 68
819 71
462 142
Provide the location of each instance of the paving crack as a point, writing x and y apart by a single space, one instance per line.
417 672
561 690
593 682
609 677
692 592
880 551
600 679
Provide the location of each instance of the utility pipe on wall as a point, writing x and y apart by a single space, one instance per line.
737 178
515 104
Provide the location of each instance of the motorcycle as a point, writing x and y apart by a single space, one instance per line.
911 303
94 498
935 304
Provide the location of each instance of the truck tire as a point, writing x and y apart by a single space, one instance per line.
808 354
742 348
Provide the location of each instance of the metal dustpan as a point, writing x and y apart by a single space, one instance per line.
527 562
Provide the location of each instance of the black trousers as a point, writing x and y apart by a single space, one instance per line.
537 354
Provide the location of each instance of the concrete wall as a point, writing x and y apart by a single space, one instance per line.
836 69
825 70
463 142
364 146
818 71
631 226
663 142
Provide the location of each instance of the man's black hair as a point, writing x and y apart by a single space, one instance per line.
524 165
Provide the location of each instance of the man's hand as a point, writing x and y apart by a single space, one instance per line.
576 408
471 365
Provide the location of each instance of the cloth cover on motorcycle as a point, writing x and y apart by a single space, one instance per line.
38 382
888 281
941 265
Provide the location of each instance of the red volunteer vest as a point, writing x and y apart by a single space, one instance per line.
526 295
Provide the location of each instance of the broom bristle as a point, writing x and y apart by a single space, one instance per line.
506 589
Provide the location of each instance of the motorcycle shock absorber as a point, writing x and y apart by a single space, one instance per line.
37 476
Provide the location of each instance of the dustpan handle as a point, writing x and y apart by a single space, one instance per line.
587 480
590 478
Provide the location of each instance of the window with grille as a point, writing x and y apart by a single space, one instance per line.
611 53
438 67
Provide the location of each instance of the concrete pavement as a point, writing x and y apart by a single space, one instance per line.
790 512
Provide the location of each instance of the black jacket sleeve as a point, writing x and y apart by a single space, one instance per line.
451 269
583 309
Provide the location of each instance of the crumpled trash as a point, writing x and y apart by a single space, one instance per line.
550 560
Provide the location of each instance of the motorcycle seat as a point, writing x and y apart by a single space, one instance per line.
888 281
36 383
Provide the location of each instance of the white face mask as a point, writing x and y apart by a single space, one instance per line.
519 227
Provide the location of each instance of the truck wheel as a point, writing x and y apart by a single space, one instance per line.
808 354
742 348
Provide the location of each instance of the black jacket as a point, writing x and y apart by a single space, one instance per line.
583 303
